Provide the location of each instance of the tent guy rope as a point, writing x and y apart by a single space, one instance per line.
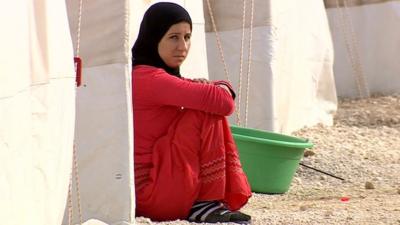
221 53
75 171
351 45
75 174
250 54
77 59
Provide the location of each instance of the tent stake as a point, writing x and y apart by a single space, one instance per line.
321 171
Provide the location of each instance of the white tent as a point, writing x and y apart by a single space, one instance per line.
37 111
104 130
292 77
366 39
291 83
292 59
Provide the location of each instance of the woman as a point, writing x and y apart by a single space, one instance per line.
186 162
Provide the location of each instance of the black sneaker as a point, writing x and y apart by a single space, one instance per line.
218 213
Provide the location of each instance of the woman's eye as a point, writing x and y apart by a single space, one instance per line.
187 37
174 37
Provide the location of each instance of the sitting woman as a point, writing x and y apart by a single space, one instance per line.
186 162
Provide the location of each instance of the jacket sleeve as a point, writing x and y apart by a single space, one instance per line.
169 90
228 85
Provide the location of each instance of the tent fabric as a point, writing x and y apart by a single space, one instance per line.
104 126
258 100
292 63
228 20
37 112
351 3
104 31
357 35
104 143
100 51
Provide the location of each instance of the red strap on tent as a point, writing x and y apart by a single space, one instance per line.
78 69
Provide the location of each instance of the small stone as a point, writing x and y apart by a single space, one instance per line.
297 180
267 206
375 173
398 191
377 179
143 220
349 218
308 153
369 185
328 213
303 208
318 184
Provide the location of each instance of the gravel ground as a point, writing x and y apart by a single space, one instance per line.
362 147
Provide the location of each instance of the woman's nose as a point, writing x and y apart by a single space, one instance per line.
182 44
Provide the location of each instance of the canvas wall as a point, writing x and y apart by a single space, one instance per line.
291 83
104 130
104 127
366 42
37 111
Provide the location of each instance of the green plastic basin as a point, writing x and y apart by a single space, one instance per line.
269 159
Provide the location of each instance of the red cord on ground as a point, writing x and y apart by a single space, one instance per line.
344 199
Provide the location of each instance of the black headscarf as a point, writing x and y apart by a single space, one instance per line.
156 22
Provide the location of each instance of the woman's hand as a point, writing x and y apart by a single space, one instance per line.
225 88
201 80
225 85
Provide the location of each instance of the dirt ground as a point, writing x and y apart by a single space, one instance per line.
362 147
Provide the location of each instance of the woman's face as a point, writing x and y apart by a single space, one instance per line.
175 44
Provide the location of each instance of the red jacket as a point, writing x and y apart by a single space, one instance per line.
159 97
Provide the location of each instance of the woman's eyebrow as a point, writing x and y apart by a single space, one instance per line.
174 33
